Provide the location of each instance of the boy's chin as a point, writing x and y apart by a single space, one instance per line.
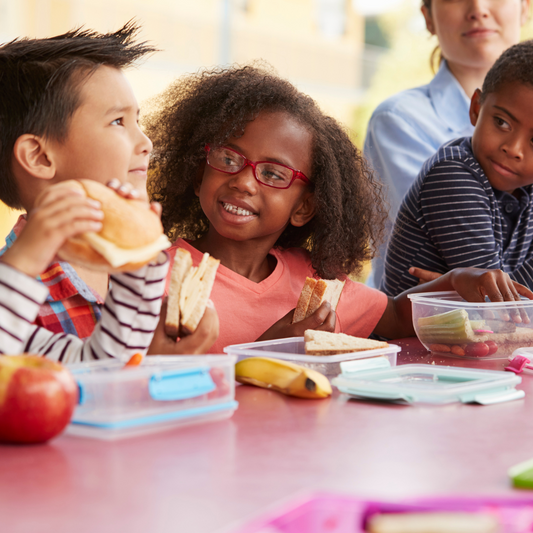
139 184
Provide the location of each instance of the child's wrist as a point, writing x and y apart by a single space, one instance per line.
20 262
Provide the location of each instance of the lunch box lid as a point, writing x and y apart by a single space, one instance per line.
433 384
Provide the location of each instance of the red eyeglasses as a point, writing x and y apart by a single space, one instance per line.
267 173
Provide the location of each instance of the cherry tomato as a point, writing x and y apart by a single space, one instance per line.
478 349
493 347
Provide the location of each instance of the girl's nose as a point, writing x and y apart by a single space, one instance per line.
244 180
478 9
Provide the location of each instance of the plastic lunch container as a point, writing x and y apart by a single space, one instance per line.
332 513
293 349
448 325
161 393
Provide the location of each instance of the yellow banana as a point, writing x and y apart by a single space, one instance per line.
282 376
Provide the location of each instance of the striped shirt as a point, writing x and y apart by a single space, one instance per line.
452 217
129 316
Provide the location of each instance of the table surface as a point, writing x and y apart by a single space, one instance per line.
213 476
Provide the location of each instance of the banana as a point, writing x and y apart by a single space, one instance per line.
282 376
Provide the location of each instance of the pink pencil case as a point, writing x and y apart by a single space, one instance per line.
330 513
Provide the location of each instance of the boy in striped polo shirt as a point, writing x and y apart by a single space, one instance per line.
472 205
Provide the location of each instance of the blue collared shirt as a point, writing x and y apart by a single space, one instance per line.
407 129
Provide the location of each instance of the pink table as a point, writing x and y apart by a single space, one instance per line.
210 477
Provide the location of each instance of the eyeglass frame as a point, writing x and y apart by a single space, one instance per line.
296 174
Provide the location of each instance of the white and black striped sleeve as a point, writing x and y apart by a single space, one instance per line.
20 300
129 318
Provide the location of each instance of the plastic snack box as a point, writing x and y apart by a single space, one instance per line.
448 325
330 513
162 393
293 349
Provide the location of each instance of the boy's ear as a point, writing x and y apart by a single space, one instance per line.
31 153
429 20
304 210
475 107
524 16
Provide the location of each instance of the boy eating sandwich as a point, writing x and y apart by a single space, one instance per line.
67 112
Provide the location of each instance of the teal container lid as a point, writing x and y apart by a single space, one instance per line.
432 384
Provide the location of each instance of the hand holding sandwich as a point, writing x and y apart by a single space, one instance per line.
198 342
323 318
61 212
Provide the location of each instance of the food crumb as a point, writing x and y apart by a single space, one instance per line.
432 362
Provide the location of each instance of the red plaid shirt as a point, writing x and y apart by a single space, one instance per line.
72 306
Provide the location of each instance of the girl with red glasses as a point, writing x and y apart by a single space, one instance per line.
250 170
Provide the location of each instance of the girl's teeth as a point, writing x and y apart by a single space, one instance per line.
236 210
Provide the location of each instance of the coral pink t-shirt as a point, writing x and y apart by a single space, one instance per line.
247 309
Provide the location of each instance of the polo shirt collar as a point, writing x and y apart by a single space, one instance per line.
449 99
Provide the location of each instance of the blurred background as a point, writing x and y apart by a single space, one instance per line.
349 55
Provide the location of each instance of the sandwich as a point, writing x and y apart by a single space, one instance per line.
433 522
188 292
325 343
131 234
314 293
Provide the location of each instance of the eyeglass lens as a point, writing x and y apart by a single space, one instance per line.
268 173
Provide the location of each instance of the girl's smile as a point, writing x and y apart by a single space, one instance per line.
238 206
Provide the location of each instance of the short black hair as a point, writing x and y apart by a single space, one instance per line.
515 65
40 82
214 105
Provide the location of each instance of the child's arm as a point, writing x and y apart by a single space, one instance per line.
449 224
323 318
20 300
473 284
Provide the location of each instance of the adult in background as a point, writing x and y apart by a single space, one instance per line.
409 127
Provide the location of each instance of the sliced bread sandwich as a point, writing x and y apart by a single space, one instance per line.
325 343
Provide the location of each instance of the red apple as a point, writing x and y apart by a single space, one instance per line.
37 398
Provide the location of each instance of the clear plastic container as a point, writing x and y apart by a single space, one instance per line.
293 349
448 325
161 393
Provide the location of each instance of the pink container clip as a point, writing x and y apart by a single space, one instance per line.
520 359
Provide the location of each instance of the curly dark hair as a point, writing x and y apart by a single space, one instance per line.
40 83
212 106
515 65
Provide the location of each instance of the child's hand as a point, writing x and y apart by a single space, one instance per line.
474 284
196 343
323 318
423 275
59 214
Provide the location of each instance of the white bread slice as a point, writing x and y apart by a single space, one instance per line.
195 292
433 522
326 290
182 265
314 293
303 301
325 343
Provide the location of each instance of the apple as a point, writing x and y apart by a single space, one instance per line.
37 398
